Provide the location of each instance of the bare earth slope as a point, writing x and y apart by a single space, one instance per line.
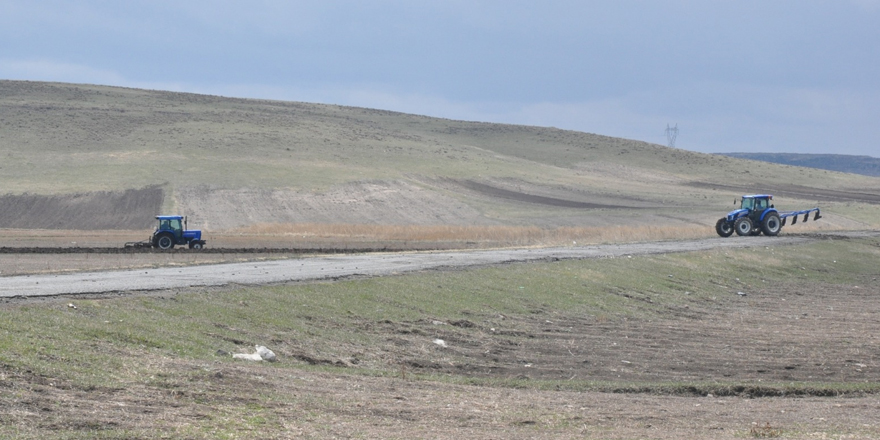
231 163
129 209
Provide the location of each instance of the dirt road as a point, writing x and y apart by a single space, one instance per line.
344 266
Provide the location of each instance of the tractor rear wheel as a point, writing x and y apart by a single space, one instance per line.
165 241
771 225
723 227
743 226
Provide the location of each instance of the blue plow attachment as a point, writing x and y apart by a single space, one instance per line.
794 215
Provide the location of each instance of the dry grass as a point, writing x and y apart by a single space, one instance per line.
64 138
498 235
765 431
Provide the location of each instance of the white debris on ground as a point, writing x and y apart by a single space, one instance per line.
248 356
265 353
440 342
262 354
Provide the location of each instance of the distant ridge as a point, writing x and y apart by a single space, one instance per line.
864 165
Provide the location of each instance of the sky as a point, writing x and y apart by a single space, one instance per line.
793 76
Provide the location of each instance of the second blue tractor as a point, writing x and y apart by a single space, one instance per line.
757 215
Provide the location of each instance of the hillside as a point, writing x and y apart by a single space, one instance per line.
233 163
864 165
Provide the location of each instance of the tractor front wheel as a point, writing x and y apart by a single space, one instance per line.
165 242
771 225
195 245
743 226
724 228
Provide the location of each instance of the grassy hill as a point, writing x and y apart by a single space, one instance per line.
865 165
233 163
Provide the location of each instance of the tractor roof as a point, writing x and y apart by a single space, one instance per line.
169 217
758 196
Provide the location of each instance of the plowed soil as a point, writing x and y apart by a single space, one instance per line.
797 191
93 211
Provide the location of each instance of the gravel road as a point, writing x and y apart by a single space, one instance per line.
342 266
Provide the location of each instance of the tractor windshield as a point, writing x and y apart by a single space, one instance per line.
748 203
170 225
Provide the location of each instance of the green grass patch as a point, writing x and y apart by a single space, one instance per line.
140 341
81 344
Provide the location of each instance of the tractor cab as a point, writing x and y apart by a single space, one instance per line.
755 205
170 223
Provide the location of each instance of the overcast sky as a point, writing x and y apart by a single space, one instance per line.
799 76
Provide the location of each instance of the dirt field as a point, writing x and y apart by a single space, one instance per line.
803 334
397 203
774 335
92 211
314 404
422 201
798 191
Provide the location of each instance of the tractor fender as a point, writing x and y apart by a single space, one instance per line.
767 211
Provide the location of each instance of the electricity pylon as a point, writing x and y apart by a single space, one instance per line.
671 135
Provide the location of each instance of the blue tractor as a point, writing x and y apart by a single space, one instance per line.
757 214
171 232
